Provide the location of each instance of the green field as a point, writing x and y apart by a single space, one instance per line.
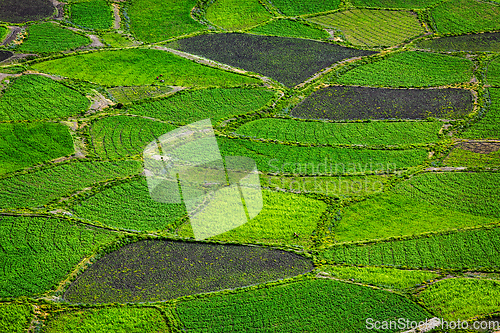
48 184
488 127
15 318
283 215
154 21
4 31
465 250
451 298
49 37
110 319
300 7
126 95
140 66
493 77
373 133
27 144
114 39
395 3
237 14
92 14
367 27
465 158
462 16
32 97
382 277
290 28
39 252
310 305
410 69
189 106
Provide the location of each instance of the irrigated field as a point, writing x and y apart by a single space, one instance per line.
130 94
156 270
140 66
351 103
300 7
32 97
49 37
410 69
372 133
290 28
287 60
488 127
395 3
372 28
27 144
237 14
17 11
473 42
91 14
15 318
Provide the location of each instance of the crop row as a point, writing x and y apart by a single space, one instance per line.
470 42
290 28
92 14
488 127
49 37
130 94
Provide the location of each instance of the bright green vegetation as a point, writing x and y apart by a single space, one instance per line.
474 193
128 206
140 67
471 42
130 94
4 32
43 186
340 187
475 249
15 318
494 73
120 319
466 158
27 144
290 28
237 14
92 14
283 215
154 21
394 3
121 136
462 298
158 270
487 127
299 7
380 276
373 133
462 16
39 252
291 307
277 158
32 97
49 37
411 69
115 39
190 106
368 27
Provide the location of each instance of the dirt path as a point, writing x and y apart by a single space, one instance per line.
99 103
53 77
60 10
116 13
96 42
445 169
12 35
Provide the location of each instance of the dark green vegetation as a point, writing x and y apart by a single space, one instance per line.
155 270
32 97
410 69
373 133
249 13
335 307
451 298
190 106
473 249
43 186
473 42
494 73
4 31
290 28
27 144
346 103
303 160
287 60
462 16
140 66
118 319
37 252
154 21
4 55
91 14
372 28
17 11
488 127
49 37
128 206
15 318
130 94
300 7
395 3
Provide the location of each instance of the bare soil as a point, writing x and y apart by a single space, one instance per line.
480 147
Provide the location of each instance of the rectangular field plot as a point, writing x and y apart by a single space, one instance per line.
237 14
301 7
18 11
130 94
481 154
352 103
489 41
487 127
410 69
473 249
395 3
320 305
373 133
49 37
493 76
91 14
367 27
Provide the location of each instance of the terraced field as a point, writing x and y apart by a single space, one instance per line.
290 28
372 28
15 11
300 7
475 154
489 41
250 13
49 37
488 127
91 14
395 3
